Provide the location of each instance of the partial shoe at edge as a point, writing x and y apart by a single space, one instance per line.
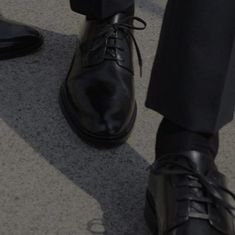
17 40
98 97
187 195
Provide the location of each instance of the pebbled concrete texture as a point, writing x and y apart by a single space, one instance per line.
50 181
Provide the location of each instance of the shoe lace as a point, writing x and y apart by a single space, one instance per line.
212 190
110 34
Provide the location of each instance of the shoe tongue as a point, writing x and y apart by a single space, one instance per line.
117 18
201 162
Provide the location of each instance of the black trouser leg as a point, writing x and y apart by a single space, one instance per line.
99 9
193 80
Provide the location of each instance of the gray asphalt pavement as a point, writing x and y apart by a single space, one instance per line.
51 183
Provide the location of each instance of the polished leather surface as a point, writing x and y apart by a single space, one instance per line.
183 204
100 83
17 39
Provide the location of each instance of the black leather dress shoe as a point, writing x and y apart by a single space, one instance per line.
17 40
187 196
97 97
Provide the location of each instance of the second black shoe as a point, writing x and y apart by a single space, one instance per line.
187 196
17 39
98 97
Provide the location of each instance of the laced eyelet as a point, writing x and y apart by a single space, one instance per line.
110 32
211 192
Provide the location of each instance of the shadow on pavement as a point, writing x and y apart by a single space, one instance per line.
29 89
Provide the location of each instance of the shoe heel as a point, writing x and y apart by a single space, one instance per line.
150 215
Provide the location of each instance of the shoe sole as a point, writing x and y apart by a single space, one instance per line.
22 52
96 141
150 214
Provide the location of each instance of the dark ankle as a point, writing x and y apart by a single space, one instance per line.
172 138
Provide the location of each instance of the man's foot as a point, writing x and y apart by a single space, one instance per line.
97 97
17 40
187 196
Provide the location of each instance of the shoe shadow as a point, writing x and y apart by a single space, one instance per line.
29 89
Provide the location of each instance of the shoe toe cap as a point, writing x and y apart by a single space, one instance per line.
15 37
